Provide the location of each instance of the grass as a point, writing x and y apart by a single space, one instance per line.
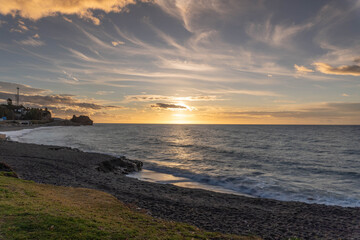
39 211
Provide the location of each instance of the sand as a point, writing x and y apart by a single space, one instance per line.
270 219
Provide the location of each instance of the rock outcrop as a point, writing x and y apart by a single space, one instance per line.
120 165
75 121
82 120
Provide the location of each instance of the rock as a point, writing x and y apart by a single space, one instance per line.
82 120
75 121
7 170
63 123
120 165
2 137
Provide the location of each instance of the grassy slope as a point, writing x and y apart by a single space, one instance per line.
39 211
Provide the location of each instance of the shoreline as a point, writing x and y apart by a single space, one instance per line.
227 213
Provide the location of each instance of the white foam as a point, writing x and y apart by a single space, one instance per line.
16 135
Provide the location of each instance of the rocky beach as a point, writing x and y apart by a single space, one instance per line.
269 219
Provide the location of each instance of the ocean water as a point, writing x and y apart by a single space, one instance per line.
314 164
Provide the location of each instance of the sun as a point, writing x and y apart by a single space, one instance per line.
180 118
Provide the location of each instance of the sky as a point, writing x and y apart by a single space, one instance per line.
184 61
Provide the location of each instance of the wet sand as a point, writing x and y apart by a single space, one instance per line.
270 219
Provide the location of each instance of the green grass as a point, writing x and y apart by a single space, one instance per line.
39 211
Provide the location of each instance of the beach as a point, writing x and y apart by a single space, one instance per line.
269 219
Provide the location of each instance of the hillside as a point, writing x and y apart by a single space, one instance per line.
40 211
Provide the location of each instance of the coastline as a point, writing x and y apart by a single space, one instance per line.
228 213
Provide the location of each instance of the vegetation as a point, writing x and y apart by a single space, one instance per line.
12 112
6 111
39 211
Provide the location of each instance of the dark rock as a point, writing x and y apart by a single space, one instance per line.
75 121
7 170
82 120
64 148
120 165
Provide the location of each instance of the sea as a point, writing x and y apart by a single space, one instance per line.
313 164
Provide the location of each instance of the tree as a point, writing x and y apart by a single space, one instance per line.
33 114
5 112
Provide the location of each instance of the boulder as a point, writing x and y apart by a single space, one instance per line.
120 165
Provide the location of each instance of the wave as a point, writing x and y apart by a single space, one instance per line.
255 187
18 134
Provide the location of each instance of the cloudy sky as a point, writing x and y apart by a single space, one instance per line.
185 61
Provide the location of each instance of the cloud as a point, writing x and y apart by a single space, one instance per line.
16 30
245 92
8 87
284 101
195 14
151 98
275 35
60 104
65 111
31 42
2 22
203 98
35 9
353 70
255 93
53 100
67 19
168 106
315 111
186 65
81 56
116 43
104 92
37 36
357 60
345 95
70 77
345 107
302 69
21 27
146 98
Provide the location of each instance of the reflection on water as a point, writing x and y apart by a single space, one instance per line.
163 178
